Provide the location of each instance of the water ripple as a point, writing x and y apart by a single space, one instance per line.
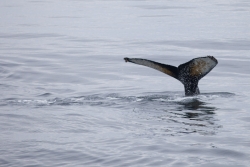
114 99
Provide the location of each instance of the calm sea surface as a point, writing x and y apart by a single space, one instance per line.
68 98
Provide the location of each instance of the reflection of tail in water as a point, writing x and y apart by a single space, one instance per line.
192 115
195 104
188 73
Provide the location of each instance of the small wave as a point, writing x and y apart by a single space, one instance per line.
45 95
218 94
115 99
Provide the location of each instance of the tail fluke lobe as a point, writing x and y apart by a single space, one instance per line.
198 67
191 72
167 69
126 59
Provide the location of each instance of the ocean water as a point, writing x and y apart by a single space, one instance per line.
69 99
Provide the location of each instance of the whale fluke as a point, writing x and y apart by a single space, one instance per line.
188 73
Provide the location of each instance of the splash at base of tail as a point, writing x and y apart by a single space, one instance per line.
188 73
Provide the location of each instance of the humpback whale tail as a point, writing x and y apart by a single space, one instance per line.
188 73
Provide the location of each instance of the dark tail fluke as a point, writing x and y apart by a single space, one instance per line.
188 73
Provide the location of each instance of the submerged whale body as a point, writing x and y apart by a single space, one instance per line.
188 73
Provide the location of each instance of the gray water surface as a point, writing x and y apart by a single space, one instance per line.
69 99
